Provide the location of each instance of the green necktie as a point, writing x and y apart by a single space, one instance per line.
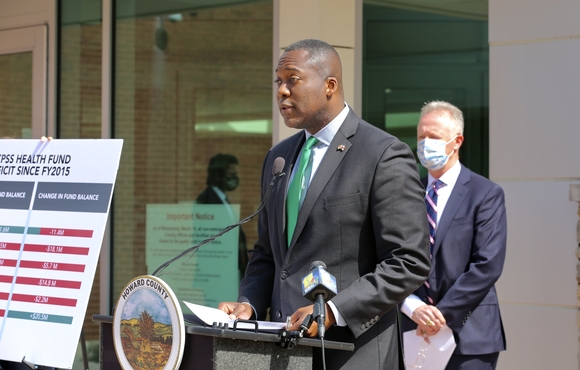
298 186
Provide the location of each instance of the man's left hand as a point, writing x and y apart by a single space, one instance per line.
237 310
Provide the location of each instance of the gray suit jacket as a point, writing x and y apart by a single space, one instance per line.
364 216
468 258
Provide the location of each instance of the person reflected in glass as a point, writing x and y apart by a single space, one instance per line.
222 177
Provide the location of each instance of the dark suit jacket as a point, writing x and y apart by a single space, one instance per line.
364 217
209 196
468 258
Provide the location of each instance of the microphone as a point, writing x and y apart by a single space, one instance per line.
277 168
319 286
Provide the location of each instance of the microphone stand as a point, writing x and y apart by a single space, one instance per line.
194 249
319 314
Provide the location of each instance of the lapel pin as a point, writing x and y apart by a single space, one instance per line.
341 148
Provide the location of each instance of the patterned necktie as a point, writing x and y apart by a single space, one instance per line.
431 203
298 186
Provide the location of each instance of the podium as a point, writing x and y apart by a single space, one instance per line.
214 348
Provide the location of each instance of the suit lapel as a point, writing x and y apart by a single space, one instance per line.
326 169
457 196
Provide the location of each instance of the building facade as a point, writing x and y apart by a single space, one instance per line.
181 81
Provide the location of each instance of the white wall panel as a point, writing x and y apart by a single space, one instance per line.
534 155
534 104
539 338
24 13
518 20
540 265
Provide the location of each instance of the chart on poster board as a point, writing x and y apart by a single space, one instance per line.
54 202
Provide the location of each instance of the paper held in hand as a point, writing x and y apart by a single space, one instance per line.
209 316
432 355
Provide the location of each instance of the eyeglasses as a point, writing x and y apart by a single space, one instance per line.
420 359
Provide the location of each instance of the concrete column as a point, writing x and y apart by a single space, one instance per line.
575 197
534 48
338 22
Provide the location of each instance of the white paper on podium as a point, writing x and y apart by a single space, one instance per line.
210 315
428 356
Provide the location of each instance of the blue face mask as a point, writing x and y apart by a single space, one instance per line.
431 153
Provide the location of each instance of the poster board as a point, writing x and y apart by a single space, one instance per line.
54 202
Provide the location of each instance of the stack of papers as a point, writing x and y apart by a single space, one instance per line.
209 316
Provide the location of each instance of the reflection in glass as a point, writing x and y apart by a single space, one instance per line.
79 95
189 84
16 95
79 114
414 56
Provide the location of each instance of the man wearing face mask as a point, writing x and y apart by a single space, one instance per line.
468 228
222 176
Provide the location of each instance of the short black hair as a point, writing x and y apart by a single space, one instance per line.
217 167
319 52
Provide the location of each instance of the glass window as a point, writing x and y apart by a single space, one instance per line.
415 56
190 83
79 95
79 110
16 95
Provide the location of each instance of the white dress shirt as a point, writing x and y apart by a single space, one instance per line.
325 137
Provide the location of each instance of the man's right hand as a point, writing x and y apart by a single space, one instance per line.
237 310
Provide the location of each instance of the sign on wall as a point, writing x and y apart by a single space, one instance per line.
209 276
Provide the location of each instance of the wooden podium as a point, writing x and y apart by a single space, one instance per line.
208 348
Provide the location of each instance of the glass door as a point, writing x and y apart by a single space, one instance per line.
415 56
23 77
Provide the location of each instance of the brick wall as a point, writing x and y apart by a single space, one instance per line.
80 112
217 67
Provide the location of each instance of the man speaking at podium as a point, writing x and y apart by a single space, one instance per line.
351 199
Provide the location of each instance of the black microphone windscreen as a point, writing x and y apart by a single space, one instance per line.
278 166
316 264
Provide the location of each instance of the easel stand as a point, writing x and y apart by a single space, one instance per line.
84 350
218 348
29 364
83 344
